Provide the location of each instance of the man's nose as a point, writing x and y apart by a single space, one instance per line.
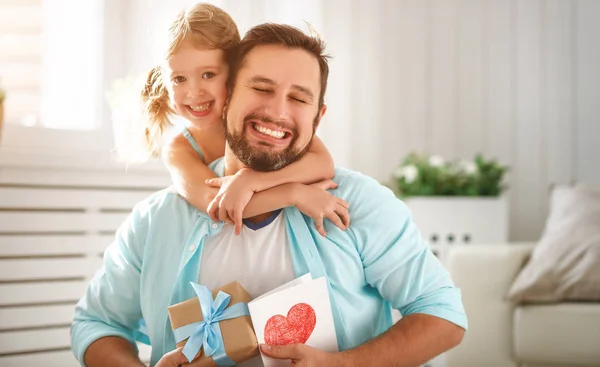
276 108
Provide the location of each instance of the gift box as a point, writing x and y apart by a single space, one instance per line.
226 337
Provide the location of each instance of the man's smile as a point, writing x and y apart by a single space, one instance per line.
271 133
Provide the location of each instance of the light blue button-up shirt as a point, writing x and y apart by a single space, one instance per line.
378 264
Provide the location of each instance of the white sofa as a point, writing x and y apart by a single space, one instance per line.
501 334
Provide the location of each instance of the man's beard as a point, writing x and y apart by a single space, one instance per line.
258 159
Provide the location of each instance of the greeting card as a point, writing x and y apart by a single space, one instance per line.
297 312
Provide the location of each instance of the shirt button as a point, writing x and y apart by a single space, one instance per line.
215 225
192 247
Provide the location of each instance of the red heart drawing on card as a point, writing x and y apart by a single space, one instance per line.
295 328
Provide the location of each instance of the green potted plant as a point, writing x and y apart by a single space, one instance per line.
422 175
454 201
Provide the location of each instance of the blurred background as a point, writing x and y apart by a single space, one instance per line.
483 115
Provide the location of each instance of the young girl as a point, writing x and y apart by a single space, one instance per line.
190 86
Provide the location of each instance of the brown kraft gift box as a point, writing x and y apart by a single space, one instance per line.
238 334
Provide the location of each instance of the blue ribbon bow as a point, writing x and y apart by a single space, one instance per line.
207 333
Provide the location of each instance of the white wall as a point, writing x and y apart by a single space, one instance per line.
514 79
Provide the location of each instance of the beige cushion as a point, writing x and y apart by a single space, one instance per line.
484 274
563 334
565 264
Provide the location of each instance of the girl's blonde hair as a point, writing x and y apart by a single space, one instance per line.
206 27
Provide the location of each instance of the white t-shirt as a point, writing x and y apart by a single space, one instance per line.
259 259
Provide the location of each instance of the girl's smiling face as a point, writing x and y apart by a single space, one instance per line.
196 81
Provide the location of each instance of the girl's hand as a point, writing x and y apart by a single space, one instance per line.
314 201
234 194
173 359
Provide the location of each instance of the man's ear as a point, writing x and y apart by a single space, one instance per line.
320 116
225 108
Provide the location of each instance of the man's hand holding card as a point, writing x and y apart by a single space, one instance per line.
291 317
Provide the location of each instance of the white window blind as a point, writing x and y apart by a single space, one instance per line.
51 63
76 49
21 59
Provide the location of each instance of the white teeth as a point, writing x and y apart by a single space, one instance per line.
264 130
200 108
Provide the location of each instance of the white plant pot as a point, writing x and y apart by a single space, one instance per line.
445 221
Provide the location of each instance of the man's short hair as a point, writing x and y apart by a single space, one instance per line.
283 35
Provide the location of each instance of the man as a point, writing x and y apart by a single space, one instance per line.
276 84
